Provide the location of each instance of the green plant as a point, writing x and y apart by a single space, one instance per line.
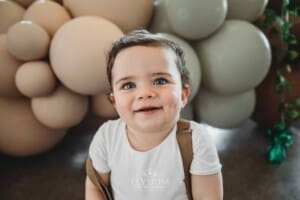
280 133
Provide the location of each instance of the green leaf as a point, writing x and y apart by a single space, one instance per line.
293 55
293 114
296 101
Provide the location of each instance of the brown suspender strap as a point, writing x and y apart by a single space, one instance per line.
96 180
184 140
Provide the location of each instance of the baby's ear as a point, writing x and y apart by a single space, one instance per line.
111 98
186 90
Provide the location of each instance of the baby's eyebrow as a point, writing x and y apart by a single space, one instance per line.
123 79
162 74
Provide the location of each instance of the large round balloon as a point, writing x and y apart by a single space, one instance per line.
192 62
35 79
128 15
48 14
235 59
27 41
78 53
10 13
196 19
159 22
8 68
61 109
102 107
224 111
21 134
248 10
187 112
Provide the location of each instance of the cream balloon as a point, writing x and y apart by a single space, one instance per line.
235 59
249 10
61 109
128 15
192 62
10 13
102 107
48 14
21 134
35 79
224 111
87 41
8 68
27 41
196 19
159 22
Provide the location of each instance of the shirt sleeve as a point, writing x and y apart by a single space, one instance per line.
98 151
205 156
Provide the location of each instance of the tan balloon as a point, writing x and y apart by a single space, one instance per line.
128 15
48 14
61 109
235 59
224 111
10 13
8 68
159 22
248 10
78 53
27 41
192 62
35 79
196 19
21 134
102 107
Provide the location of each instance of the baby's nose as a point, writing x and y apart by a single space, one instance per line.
146 92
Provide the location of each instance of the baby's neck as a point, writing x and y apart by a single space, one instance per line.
146 141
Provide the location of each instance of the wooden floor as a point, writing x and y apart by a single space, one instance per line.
59 174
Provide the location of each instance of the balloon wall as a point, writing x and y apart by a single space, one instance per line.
53 61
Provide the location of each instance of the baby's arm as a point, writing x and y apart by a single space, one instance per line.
91 191
207 187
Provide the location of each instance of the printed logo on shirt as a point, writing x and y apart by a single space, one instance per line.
149 180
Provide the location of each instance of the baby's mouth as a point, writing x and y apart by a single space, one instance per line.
148 109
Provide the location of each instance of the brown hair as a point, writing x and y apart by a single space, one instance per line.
144 38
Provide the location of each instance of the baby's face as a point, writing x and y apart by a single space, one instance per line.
147 88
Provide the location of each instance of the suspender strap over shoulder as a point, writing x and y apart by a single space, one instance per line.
184 140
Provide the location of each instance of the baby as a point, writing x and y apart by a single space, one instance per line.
137 155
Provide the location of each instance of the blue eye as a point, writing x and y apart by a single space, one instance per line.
128 86
160 81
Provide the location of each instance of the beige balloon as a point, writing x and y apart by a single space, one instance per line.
249 10
24 3
34 79
224 111
235 59
128 15
196 19
87 41
10 13
27 41
192 62
8 68
48 14
21 134
61 109
159 22
102 107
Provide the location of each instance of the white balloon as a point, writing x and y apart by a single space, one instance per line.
196 19
224 111
235 59
248 10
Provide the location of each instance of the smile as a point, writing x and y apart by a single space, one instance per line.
148 109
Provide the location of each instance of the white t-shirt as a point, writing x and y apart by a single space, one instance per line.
156 174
